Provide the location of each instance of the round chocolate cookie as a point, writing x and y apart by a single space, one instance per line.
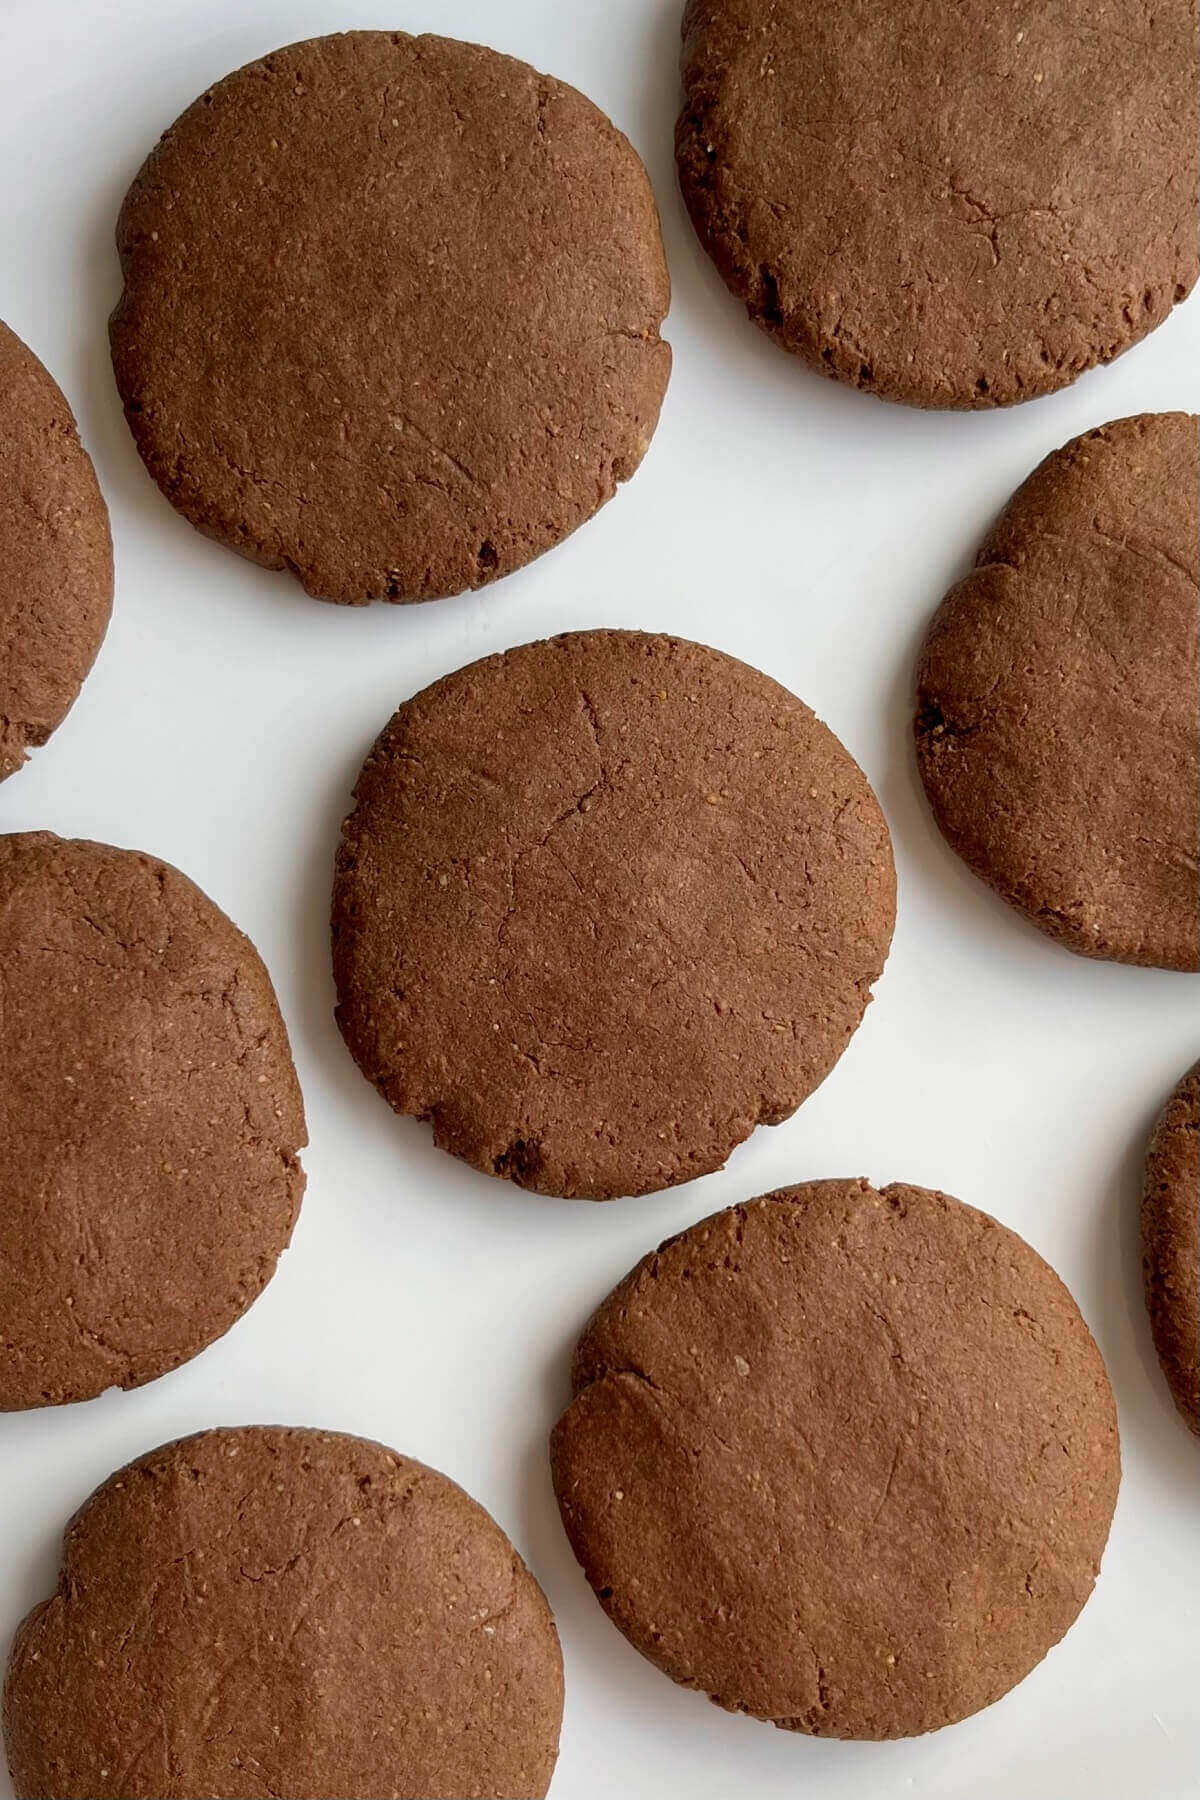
151 1121
56 570
391 314
1171 1243
296 1613
949 205
1057 729
841 1459
605 904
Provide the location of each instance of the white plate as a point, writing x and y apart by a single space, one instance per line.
806 528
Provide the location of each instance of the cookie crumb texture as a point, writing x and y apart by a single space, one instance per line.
56 570
844 1460
606 903
949 205
151 1121
391 314
1058 697
296 1613
1171 1243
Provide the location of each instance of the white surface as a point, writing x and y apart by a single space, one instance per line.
803 527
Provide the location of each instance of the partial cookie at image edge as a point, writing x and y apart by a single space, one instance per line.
56 560
934 205
298 1584
1170 1218
153 1176
1057 719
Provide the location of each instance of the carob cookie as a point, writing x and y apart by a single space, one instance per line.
391 314
841 1459
1058 695
56 570
606 903
297 1613
1171 1243
950 205
151 1121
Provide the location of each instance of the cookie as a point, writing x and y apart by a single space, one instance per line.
843 1460
606 903
1057 698
152 1120
391 314
56 570
297 1613
949 205
1171 1243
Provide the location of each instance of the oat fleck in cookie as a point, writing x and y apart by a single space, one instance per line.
296 1613
150 1121
1171 1243
391 314
842 1459
946 204
606 903
1058 697
56 569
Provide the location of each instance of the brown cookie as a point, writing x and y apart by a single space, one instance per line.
844 1460
151 1121
391 314
1171 1243
1058 693
605 904
296 1613
949 205
56 571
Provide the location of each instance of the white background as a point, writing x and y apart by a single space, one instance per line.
801 526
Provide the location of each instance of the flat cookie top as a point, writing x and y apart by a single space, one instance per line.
1057 697
949 205
1171 1243
605 903
298 1613
841 1459
149 1116
391 314
56 570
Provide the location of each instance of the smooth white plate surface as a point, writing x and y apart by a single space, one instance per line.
803 527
